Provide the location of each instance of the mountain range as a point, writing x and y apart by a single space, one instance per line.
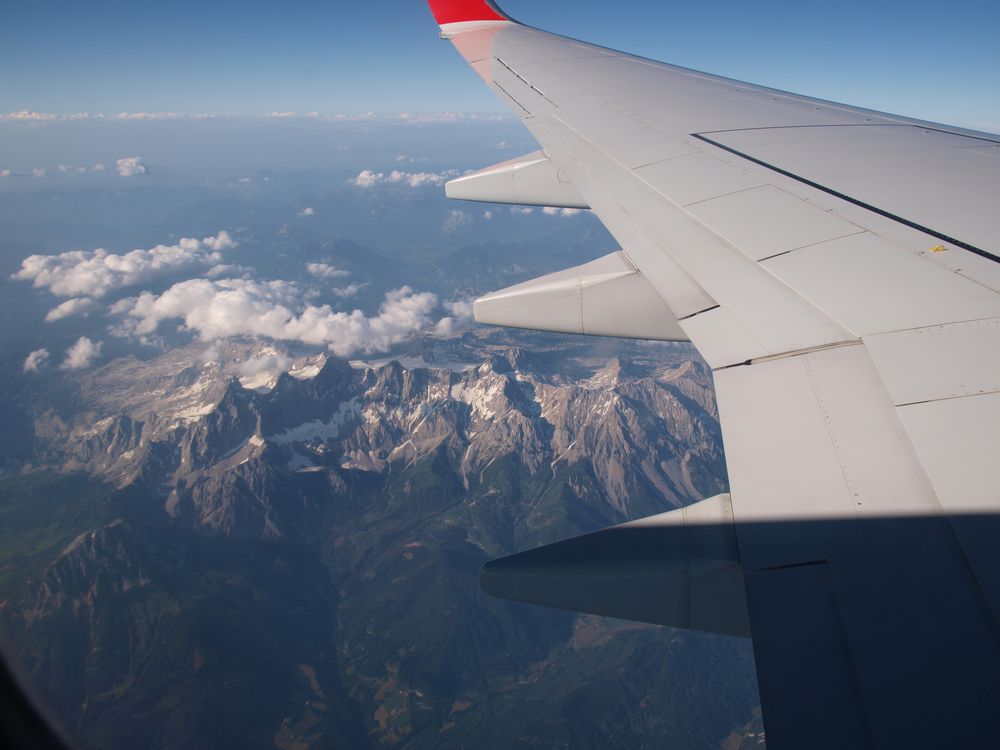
284 552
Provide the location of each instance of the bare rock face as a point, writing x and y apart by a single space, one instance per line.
625 441
213 553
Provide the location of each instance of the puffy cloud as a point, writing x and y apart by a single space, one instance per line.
326 271
347 291
98 168
27 115
72 306
438 118
553 211
245 307
36 360
5 173
307 211
149 116
369 178
82 354
461 308
455 219
39 172
460 317
487 214
405 118
67 169
418 179
522 210
80 273
130 166
266 364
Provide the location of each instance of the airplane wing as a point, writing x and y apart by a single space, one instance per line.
838 269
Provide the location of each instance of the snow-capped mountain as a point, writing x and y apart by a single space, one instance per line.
287 547
629 438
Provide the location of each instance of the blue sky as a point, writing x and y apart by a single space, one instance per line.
933 60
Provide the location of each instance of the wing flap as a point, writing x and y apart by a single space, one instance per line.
532 180
606 297
679 568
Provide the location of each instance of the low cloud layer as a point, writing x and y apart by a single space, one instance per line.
72 306
81 273
551 211
405 118
272 309
369 178
460 317
455 219
326 271
82 354
36 360
130 166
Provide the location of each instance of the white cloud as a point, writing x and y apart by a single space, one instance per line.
419 179
228 269
67 169
552 211
38 172
369 178
438 118
414 179
326 271
149 116
5 173
82 354
36 360
27 115
405 118
72 306
522 210
347 291
455 219
267 364
130 166
487 214
245 307
80 273
98 168
307 211
461 316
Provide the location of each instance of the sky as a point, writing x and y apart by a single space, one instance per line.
936 61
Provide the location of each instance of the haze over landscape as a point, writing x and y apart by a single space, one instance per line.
256 450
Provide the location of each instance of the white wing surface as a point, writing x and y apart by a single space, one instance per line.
838 269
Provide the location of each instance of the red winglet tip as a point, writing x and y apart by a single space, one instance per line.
459 11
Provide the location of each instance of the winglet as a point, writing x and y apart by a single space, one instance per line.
465 11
